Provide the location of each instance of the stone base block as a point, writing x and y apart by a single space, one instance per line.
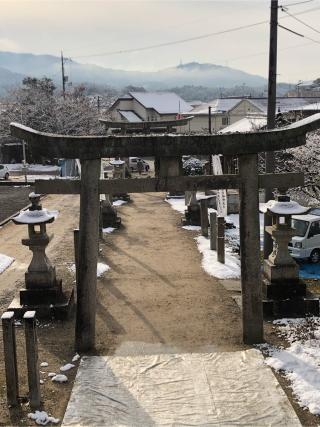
192 215
283 289
41 279
59 308
110 218
280 273
295 307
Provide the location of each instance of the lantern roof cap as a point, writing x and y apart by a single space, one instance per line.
35 217
282 208
116 162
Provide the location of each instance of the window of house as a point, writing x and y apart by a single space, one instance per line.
225 121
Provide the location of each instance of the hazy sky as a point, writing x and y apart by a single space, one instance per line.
88 27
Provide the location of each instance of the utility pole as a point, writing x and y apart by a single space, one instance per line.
98 104
64 79
209 117
271 118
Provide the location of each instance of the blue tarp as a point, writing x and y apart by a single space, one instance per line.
309 271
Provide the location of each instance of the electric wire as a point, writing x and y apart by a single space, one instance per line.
299 20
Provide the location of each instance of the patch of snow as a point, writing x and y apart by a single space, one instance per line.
192 227
119 202
102 268
51 374
177 204
41 382
44 364
42 418
5 262
108 230
75 358
229 270
67 367
300 361
59 378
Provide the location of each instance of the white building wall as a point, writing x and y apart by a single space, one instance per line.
242 110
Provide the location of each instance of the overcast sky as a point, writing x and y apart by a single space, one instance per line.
89 27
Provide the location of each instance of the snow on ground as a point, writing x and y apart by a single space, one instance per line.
177 204
300 361
42 418
59 378
108 230
119 202
101 268
44 364
34 168
5 262
67 367
229 270
192 227
76 357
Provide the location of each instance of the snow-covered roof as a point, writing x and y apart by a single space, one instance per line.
284 104
247 124
308 107
130 115
226 104
162 102
283 208
35 217
217 106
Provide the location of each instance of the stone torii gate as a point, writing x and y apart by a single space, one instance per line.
168 149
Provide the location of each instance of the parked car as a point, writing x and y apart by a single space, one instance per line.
306 242
4 172
133 164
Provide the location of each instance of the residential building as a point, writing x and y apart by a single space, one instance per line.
148 106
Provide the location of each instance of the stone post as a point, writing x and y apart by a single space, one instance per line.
204 217
32 359
252 315
88 254
213 231
10 357
220 239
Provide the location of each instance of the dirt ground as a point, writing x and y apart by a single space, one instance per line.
155 294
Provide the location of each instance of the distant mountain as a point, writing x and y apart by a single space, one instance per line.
8 80
185 74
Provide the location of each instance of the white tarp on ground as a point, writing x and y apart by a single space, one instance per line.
208 389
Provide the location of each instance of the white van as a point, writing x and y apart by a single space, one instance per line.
306 242
133 164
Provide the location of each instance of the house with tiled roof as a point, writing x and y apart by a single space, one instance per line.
148 106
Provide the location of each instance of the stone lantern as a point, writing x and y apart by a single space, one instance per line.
119 172
119 168
284 292
43 291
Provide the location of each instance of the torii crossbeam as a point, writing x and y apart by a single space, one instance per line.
168 148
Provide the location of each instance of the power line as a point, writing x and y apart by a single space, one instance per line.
290 31
299 20
203 36
295 4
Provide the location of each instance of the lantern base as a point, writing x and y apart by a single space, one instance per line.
50 303
282 273
283 289
293 307
192 215
109 217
